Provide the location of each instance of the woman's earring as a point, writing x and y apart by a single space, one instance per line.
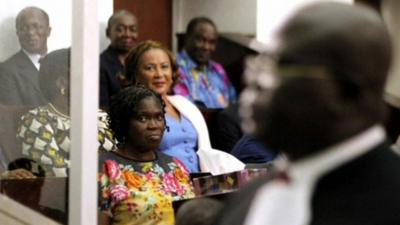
62 91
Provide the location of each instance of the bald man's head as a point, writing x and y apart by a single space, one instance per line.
33 29
333 60
122 30
351 41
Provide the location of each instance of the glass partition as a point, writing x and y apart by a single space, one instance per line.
48 107
35 122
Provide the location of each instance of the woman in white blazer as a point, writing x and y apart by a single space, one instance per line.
151 64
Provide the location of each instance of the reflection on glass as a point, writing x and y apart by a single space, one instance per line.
44 134
19 84
44 130
35 123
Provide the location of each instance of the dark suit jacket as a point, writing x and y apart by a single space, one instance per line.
19 82
110 66
229 131
362 192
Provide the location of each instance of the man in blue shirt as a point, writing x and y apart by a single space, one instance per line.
202 80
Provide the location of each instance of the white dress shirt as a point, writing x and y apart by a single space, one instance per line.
34 58
289 203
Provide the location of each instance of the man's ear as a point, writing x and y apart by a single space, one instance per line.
108 32
187 38
48 31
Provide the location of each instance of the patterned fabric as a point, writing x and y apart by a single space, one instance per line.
104 135
209 86
180 141
141 192
45 138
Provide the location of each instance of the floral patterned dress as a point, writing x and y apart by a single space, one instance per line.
134 192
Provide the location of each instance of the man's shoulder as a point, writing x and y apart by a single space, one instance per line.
182 59
360 187
18 67
215 63
379 158
237 207
9 67
105 56
105 52
181 54
217 67
14 60
109 60
109 52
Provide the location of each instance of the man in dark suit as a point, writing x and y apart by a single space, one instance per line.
320 102
19 83
122 30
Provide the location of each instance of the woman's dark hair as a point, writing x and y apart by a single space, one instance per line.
133 60
124 107
55 65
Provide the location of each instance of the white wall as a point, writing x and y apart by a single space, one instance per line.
272 13
59 13
105 11
391 13
60 21
229 15
255 17
236 16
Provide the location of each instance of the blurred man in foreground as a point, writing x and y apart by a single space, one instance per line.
319 101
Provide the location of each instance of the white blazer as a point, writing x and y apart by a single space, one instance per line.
211 160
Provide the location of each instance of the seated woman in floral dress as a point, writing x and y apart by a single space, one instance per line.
137 182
